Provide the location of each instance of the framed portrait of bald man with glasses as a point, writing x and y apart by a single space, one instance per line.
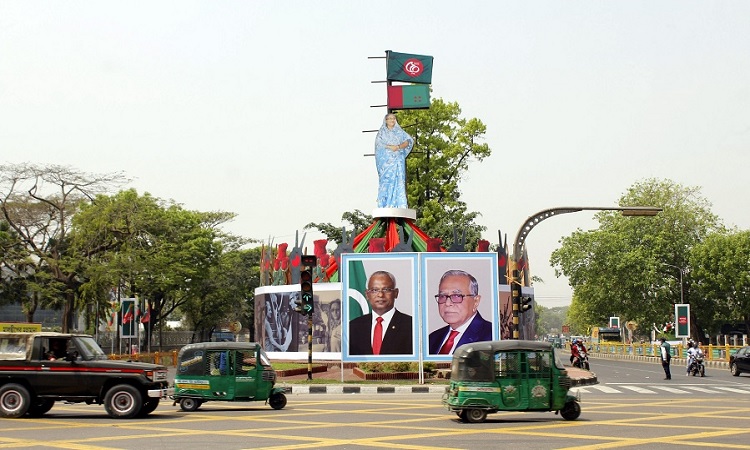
459 301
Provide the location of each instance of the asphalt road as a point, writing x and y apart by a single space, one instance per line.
632 407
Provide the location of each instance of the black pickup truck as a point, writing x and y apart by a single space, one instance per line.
37 369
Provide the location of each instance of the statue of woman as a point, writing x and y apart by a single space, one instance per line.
392 146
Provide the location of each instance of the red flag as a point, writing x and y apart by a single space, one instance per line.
146 317
128 315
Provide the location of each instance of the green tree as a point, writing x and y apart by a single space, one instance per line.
38 202
226 295
624 267
157 251
14 260
445 146
550 320
720 273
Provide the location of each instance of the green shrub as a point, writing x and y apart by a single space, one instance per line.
391 367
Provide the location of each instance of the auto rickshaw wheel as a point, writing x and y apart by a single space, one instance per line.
571 411
475 415
277 401
189 404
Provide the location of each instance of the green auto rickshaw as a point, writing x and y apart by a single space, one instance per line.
225 371
492 376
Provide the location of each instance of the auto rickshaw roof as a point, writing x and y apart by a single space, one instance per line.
502 346
220 346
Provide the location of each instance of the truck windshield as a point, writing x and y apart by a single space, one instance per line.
89 349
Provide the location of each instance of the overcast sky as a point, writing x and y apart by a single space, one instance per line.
241 105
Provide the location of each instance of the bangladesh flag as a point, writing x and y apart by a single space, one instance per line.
409 68
357 285
413 96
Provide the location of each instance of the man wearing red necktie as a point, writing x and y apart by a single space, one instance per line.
458 300
386 330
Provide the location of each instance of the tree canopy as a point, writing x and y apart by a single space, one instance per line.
632 266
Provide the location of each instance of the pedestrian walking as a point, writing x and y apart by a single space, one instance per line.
666 356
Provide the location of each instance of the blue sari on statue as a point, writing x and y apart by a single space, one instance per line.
391 165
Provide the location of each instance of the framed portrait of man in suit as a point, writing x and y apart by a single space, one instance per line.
379 307
459 301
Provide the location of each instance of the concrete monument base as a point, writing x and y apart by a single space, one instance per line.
405 213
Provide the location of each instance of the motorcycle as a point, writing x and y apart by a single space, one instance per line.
582 361
697 367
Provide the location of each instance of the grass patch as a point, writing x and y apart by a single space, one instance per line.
288 365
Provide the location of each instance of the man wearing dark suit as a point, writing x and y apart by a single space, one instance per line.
458 299
384 331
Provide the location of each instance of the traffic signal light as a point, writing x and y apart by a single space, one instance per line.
526 303
306 283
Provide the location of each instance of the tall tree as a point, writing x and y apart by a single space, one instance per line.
14 259
226 295
157 251
626 267
721 274
37 202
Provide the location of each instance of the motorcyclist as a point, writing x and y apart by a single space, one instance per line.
694 352
574 353
691 352
577 351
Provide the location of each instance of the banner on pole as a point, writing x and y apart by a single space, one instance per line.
129 323
682 320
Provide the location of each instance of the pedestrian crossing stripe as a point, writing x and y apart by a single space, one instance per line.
672 390
740 391
639 389
652 389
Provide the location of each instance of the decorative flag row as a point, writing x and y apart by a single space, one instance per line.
131 312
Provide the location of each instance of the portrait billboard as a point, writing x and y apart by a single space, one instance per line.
280 329
381 286
459 301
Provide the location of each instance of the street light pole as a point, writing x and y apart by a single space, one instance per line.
534 220
682 291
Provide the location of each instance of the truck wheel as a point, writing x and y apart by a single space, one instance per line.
123 402
148 407
14 400
277 401
189 404
571 411
40 406
475 415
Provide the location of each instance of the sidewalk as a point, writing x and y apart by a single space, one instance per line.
352 384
